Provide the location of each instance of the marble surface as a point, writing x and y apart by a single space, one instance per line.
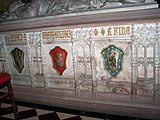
85 84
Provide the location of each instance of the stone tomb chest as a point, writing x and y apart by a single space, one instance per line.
105 62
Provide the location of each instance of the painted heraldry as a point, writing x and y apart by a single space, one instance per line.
58 56
113 57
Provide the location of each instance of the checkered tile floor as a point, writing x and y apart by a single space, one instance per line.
28 112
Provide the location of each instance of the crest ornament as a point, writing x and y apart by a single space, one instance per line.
58 56
95 32
18 59
113 57
102 31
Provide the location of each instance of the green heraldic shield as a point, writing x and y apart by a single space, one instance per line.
113 57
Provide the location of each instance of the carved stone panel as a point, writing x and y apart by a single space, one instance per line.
55 44
146 46
36 58
17 58
82 58
108 77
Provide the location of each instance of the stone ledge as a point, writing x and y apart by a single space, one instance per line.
68 20
68 99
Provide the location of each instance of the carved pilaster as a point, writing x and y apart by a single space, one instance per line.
133 61
74 66
34 45
93 62
157 55
157 60
146 55
81 41
3 56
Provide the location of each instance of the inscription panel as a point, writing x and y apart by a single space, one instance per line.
15 37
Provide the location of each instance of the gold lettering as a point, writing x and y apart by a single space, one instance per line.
70 33
12 37
109 31
115 30
121 30
103 31
9 37
128 30
20 37
51 34
24 37
56 34
15 37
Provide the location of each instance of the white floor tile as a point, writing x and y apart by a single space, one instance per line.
42 112
4 105
11 116
22 108
64 115
90 118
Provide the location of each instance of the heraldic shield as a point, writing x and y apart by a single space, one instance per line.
18 59
113 57
58 56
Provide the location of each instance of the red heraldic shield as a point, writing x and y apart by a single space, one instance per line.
58 56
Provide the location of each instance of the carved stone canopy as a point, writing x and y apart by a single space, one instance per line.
22 9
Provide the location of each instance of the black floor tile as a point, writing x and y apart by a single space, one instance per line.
50 116
27 114
74 118
4 111
3 118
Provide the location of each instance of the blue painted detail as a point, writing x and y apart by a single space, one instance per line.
113 57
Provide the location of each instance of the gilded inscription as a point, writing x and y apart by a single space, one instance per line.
15 37
109 31
121 30
96 32
102 31
56 34
113 31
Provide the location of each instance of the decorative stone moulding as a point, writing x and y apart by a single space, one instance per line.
23 9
